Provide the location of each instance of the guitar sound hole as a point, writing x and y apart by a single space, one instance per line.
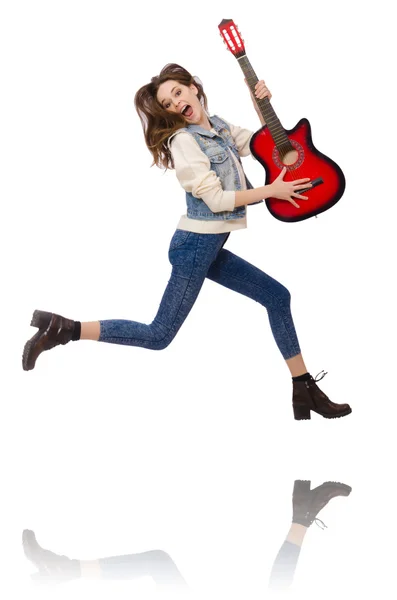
290 157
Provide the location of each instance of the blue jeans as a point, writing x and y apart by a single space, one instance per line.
194 257
155 563
284 566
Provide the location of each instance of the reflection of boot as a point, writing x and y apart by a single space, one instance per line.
306 503
307 396
52 567
53 330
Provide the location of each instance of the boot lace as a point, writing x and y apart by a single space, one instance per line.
316 519
320 378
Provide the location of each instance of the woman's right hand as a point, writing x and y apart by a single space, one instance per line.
285 190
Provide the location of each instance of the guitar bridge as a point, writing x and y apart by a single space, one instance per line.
314 183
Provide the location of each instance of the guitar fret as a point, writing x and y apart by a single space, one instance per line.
277 131
273 147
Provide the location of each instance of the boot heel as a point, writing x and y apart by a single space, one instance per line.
301 412
40 319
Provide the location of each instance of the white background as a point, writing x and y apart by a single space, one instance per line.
110 450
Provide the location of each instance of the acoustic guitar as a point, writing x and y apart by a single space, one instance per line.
275 147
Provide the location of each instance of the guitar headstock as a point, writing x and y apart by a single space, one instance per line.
231 37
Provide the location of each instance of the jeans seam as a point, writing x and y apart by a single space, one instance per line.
180 304
187 287
270 294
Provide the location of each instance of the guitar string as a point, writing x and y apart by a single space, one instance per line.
284 146
294 172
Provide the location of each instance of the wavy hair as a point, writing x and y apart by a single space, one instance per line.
158 124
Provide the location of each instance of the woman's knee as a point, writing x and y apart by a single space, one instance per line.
162 344
162 337
279 295
284 295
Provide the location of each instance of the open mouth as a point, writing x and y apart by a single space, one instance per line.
187 111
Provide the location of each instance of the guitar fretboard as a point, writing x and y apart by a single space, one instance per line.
277 131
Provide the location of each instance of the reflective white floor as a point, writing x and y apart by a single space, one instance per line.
160 494
157 473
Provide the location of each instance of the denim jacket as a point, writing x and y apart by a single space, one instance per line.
218 148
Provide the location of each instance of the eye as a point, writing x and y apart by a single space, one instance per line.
166 105
178 92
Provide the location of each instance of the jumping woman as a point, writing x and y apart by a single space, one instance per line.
205 152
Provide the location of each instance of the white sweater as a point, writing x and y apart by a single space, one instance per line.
193 171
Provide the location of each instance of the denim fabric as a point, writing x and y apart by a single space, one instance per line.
155 563
195 256
284 566
218 148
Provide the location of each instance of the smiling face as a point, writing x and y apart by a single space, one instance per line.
179 98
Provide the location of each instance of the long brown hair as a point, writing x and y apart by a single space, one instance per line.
158 124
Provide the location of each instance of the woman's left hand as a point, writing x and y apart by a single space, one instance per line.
261 91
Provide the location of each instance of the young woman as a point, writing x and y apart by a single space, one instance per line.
205 153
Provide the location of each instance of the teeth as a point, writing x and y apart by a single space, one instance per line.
184 108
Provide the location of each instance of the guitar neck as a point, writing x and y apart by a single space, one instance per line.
267 111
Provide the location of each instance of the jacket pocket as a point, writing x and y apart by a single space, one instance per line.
217 157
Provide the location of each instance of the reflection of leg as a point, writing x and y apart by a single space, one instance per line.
239 275
283 570
306 504
51 566
156 563
57 568
284 567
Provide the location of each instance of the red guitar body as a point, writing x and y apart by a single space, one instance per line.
275 148
309 163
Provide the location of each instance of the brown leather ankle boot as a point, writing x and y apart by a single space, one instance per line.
307 503
307 396
53 330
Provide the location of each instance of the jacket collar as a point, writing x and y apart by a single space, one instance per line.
202 131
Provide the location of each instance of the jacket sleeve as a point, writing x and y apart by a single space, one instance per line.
193 171
242 138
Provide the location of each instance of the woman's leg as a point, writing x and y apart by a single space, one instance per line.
90 330
296 365
239 275
190 254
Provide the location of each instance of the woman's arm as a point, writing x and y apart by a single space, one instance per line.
283 190
251 196
193 171
261 91
241 138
